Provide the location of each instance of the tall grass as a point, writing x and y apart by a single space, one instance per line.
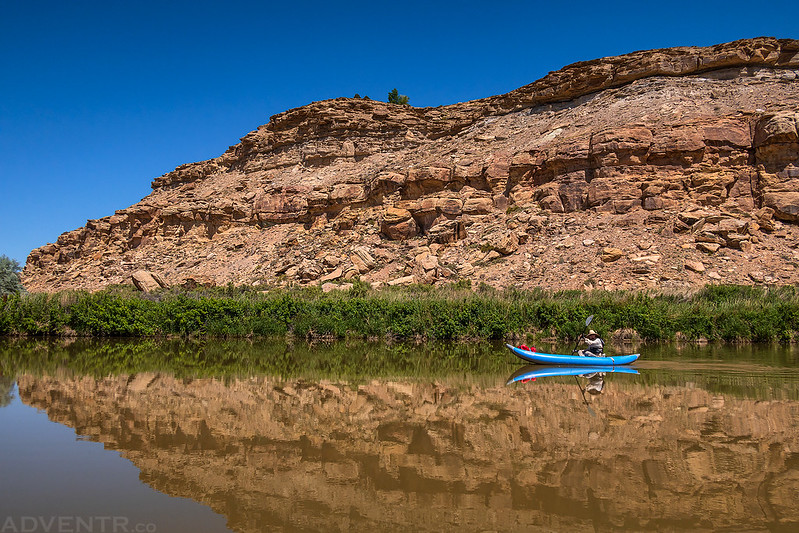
726 313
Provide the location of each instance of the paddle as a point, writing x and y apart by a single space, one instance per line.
590 411
587 322
582 391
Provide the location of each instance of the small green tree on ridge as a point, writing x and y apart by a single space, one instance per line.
394 97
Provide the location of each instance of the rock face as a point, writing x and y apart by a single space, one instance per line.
613 151
420 456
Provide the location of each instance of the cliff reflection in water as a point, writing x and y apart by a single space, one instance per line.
413 455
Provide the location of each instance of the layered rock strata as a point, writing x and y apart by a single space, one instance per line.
626 152
409 455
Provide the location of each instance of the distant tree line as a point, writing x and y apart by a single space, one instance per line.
394 97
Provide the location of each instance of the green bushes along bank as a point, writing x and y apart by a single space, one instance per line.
728 313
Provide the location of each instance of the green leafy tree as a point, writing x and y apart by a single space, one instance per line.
394 97
9 276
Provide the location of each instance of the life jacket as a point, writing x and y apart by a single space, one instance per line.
596 348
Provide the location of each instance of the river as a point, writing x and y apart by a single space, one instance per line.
259 436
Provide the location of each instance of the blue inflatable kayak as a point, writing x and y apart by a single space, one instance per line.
531 372
555 359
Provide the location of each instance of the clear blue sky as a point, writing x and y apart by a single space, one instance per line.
97 98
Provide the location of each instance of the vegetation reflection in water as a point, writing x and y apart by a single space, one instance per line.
753 371
235 358
431 438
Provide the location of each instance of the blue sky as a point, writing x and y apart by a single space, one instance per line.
97 98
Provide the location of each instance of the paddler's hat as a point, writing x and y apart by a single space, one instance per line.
592 332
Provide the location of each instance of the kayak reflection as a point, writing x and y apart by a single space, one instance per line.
595 373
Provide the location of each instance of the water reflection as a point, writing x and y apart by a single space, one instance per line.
666 450
6 391
532 372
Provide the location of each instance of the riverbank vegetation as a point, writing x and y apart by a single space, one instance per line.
717 313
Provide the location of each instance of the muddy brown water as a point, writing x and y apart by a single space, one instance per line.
700 438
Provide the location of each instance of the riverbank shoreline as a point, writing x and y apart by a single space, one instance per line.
726 313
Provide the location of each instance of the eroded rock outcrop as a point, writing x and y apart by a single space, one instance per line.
641 137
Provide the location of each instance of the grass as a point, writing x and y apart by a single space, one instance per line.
718 313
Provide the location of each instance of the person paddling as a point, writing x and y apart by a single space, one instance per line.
595 345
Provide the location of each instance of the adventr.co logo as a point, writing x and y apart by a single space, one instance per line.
74 524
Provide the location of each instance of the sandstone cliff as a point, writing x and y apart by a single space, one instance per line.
412 455
666 169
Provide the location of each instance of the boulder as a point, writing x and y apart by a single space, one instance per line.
708 247
776 128
610 255
692 217
478 206
406 280
395 215
449 206
447 231
694 266
504 243
346 220
331 260
147 281
362 260
348 193
336 274
765 218
651 258
552 203
427 261
784 204
466 269
391 180
433 174
398 224
709 236
737 241
308 270
777 140
731 225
